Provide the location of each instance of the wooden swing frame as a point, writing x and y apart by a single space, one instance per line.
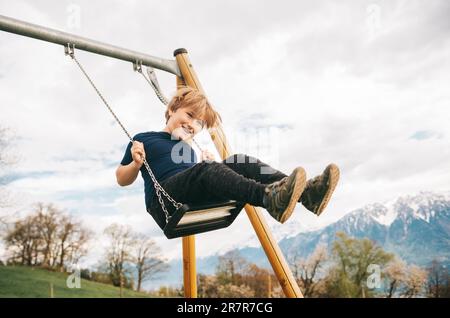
185 75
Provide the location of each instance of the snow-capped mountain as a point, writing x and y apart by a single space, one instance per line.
416 228
422 206
426 206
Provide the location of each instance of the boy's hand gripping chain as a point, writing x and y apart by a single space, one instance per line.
69 49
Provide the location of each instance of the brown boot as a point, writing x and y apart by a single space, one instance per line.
318 190
281 197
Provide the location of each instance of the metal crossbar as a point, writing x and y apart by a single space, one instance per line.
84 44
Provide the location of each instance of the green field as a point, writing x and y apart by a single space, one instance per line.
21 281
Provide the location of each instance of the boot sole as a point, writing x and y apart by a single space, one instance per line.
300 184
334 178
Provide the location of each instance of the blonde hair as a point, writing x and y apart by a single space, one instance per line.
188 97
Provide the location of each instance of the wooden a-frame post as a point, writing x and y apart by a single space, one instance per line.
270 246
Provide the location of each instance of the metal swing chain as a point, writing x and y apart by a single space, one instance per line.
138 67
70 50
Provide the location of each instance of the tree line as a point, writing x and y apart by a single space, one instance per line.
51 239
351 267
354 267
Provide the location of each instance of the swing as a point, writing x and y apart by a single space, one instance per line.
188 219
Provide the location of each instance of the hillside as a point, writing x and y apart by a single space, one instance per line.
28 282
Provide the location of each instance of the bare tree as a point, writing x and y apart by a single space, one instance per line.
404 280
438 280
231 267
46 219
237 277
233 291
118 253
23 242
72 240
210 286
147 259
46 237
306 271
258 279
415 281
395 276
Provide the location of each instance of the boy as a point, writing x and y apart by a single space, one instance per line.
238 177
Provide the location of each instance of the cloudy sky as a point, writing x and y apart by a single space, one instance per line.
364 84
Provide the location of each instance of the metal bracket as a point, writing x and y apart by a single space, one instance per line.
152 76
137 66
69 49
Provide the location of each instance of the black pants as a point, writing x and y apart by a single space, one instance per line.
238 177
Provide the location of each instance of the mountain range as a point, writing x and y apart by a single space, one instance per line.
415 228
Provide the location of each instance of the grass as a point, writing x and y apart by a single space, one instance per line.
29 282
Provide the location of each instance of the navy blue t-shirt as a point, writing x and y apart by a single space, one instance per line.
166 157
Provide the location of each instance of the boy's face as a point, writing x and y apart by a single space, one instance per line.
182 125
